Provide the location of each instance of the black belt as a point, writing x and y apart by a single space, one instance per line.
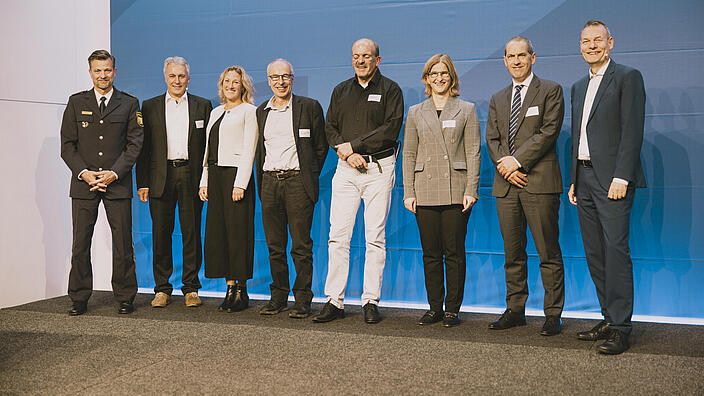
177 162
379 155
585 163
282 174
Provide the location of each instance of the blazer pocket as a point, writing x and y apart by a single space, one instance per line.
419 167
459 165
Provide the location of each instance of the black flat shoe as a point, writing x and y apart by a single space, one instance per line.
273 307
616 344
371 313
229 298
241 301
329 313
431 317
508 319
126 307
552 326
599 332
78 308
450 319
300 311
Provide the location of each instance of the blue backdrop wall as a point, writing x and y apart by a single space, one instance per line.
662 39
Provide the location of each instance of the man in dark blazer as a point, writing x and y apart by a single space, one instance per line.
291 151
524 122
101 136
168 174
608 115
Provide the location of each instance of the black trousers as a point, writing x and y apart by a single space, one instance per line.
442 233
124 278
178 191
605 226
285 204
540 213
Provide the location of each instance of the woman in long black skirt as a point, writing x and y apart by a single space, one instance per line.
227 184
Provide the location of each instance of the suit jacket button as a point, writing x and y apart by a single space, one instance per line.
100 153
429 158
100 137
444 156
430 176
446 175
101 121
100 169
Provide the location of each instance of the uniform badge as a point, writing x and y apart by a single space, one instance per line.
84 124
86 112
139 119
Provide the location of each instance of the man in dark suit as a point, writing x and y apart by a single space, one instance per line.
291 151
524 122
168 174
101 136
608 114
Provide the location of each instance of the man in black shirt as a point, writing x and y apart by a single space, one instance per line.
362 124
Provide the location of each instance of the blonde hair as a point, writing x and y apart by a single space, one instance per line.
434 60
246 81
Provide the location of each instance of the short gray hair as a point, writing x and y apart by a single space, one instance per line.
521 39
279 60
177 60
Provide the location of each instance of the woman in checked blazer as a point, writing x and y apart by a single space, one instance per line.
440 177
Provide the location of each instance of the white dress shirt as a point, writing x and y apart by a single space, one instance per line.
279 141
592 88
176 127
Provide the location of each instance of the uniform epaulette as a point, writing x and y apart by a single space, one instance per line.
80 93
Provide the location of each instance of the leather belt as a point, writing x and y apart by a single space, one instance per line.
177 162
282 174
585 163
379 155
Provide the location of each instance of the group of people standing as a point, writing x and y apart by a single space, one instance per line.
186 153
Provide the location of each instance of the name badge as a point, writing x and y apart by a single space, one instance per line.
532 111
199 123
304 133
374 98
448 123
85 112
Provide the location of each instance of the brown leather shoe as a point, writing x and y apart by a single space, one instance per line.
192 299
161 300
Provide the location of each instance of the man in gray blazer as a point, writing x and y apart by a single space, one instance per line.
524 122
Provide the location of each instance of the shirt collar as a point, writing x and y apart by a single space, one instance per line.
374 80
107 95
170 98
601 71
525 82
270 104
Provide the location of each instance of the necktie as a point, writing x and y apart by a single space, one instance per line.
102 105
513 123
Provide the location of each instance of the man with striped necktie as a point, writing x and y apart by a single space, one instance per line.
524 122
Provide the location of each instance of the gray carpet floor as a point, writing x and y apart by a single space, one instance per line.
179 350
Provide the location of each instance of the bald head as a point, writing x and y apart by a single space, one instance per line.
281 63
367 43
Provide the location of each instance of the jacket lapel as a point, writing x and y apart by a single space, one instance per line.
192 111
431 118
114 102
296 108
603 86
530 96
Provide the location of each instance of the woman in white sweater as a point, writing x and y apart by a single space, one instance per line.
227 183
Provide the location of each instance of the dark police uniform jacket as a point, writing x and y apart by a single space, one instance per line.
108 142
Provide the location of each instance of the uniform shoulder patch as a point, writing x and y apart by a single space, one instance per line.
140 121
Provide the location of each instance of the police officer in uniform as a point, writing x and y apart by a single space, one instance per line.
101 137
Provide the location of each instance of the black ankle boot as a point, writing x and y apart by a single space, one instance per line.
229 299
241 300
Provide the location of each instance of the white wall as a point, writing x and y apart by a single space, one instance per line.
44 47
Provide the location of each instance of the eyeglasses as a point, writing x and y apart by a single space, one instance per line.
282 77
443 74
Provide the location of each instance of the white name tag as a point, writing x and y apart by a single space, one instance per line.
374 98
532 111
199 123
448 123
304 132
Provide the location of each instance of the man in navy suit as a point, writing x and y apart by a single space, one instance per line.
608 112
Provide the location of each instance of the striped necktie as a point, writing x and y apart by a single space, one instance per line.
513 123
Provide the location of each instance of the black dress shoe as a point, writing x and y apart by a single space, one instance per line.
508 319
126 307
241 301
551 326
617 343
598 332
371 313
451 319
78 308
229 298
300 311
273 307
329 313
431 317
